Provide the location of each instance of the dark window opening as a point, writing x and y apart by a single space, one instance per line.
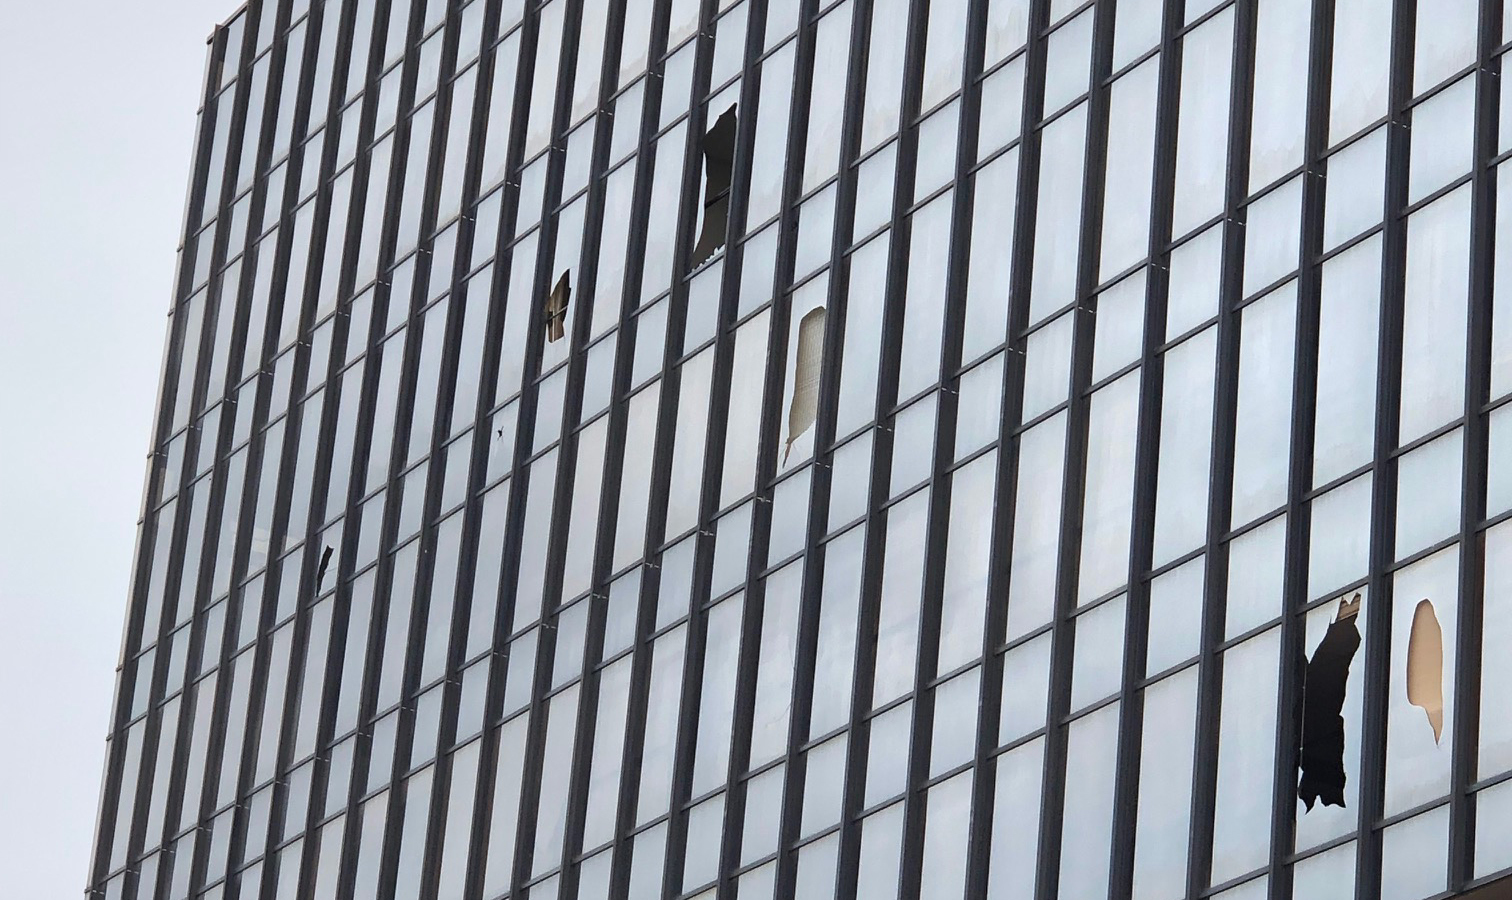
1320 752
325 563
719 156
556 308
1425 666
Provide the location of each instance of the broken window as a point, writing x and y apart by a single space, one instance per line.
719 156
1425 666
556 308
1320 752
325 563
805 403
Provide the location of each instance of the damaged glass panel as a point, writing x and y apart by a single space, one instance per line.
1097 668
1327 821
325 563
808 362
1320 720
947 836
718 146
1425 666
1420 705
556 308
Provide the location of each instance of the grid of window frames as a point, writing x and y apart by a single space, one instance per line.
955 529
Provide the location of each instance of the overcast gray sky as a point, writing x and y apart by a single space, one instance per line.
97 102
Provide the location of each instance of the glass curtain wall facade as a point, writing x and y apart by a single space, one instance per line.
864 449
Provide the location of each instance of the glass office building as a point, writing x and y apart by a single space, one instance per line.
843 450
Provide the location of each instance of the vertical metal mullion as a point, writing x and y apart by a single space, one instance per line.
748 657
1004 521
640 665
347 244
305 293
891 337
1302 449
383 601
811 591
493 350
435 457
363 180
1469 614
203 389
566 452
135 626
177 540
461 287
1078 424
942 477
587 708
848 862
519 469
689 706
1129 777
1377 610
1225 402
461 597
1221 465
284 486
413 656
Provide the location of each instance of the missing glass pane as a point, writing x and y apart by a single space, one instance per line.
1425 666
719 155
805 405
1320 753
325 563
556 308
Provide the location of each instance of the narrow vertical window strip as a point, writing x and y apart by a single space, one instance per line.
1469 651
200 857
1051 869
641 670
1383 505
1128 785
1021 249
721 209
1210 691
1303 443
587 751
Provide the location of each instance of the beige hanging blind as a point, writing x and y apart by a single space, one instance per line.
556 308
1425 666
810 360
